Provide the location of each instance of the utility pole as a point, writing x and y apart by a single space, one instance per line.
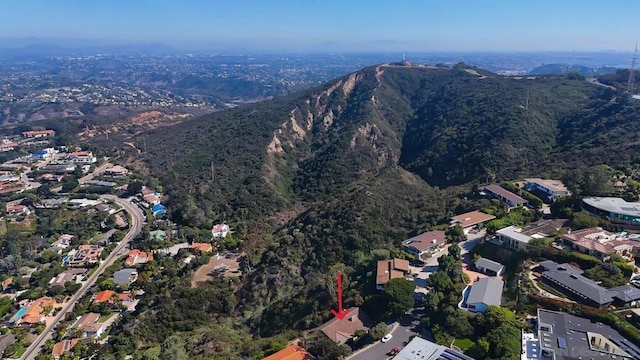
526 105
630 82
144 144
213 172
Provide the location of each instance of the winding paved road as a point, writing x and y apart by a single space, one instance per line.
135 226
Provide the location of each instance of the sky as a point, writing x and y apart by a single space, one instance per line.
357 25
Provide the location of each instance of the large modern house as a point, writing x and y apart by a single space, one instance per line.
504 195
569 279
614 209
547 190
561 336
425 244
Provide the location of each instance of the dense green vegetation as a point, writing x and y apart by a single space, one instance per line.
324 181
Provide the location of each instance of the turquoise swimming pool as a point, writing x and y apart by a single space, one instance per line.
19 314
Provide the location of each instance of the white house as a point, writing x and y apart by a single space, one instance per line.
489 267
513 238
220 230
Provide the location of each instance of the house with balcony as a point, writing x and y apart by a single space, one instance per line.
426 244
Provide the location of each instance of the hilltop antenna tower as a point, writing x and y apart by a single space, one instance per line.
405 59
526 105
630 82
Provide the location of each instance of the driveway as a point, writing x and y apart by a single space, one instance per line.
379 350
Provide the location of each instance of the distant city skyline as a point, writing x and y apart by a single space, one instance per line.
330 25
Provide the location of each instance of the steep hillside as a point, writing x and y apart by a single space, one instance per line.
450 126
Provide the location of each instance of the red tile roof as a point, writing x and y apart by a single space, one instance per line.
103 296
391 269
291 352
62 347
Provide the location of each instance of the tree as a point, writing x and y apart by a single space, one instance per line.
589 181
69 184
378 331
399 293
173 349
134 187
583 220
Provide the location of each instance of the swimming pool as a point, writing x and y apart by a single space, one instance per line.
19 314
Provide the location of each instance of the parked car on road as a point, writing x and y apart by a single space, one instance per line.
386 338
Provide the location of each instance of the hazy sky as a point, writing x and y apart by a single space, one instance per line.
393 25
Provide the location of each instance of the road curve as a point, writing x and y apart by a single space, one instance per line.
135 226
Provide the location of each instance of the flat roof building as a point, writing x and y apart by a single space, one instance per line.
548 190
421 349
513 238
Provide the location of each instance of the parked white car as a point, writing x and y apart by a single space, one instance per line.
386 338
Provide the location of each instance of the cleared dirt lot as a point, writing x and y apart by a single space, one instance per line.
221 265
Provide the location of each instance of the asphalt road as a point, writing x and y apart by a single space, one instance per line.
137 218
407 326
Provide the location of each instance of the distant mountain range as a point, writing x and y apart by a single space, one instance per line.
559 69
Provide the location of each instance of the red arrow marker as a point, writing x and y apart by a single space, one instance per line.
341 313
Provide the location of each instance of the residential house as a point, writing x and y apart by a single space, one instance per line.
151 199
625 295
116 171
600 243
545 189
5 341
470 220
421 349
489 267
100 183
125 276
38 133
82 157
425 244
391 269
291 352
562 336
136 257
63 242
77 204
220 230
69 275
51 177
103 297
504 195
148 191
484 292
41 155
8 147
35 313
203 247
569 280
7 284
614 209
85 254
18 210
60 169
545 227
105 208
341 331
89 325
63 348
513 238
